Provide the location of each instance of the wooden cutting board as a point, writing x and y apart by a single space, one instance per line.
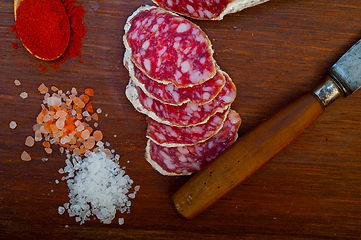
274 52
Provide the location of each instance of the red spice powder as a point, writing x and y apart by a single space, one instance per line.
75 13
43 27
15 45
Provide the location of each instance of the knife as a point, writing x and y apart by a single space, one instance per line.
254 149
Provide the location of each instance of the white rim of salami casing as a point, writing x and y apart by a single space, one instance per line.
232 7
132 95
191 144
130 66
128 48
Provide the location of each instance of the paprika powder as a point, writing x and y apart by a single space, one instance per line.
75 12
43 27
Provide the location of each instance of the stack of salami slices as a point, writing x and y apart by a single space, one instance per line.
175 81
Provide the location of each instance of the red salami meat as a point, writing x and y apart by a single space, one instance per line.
169 48
170 136
205 9
174 161
171 94
187 114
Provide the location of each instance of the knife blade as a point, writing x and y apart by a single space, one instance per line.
258 146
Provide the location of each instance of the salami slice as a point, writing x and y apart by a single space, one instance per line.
168 48
188 114
170 136
175 161
171 94
207 10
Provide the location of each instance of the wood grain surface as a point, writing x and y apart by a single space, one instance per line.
274 52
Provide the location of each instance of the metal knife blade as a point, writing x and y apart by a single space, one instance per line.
347 70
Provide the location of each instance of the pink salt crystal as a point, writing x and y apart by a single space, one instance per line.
98 135
17 82
48 150
85 134
60 124
25 156
61 113
89 143
42 88
29 141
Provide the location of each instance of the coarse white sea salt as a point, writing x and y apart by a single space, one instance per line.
98 186
24 95
12 125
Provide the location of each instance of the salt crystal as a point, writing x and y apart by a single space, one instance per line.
61 210
74 91
17 82
57 181
48 150
99 110
121 221
24 95
44 159
29 141
25 156
12 125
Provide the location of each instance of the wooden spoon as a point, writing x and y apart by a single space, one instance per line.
60 50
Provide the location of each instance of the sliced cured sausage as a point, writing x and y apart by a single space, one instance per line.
170 93
185 115
170 136
207 10
168 48
173 161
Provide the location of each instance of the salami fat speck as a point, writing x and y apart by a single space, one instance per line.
173 161
188 114
170 136
170 93
169 48
205 9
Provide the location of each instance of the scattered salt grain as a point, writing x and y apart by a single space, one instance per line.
44 159
29 141
99 110
57 181
42 88
48 150
12 125
25 156
121 221
17 82
24 95
61 210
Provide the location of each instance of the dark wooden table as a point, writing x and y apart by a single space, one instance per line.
274 52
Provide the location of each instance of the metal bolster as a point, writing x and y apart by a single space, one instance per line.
328 91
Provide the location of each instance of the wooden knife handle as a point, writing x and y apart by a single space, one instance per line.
248 154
